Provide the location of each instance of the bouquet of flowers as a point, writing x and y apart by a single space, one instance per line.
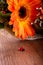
25 17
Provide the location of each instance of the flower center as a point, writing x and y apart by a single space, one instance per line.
22 12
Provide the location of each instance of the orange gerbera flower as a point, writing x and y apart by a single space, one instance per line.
23 13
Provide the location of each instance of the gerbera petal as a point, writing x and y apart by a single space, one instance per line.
35 1
11 22
16 33
29 30
11 5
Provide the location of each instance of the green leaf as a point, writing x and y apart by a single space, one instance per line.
0 2
4 15
1 25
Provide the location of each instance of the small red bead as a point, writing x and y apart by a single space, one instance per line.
21 49
3 12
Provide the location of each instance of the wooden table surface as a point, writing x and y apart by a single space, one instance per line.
9 54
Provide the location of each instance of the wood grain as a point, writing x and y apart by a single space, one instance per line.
9 54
